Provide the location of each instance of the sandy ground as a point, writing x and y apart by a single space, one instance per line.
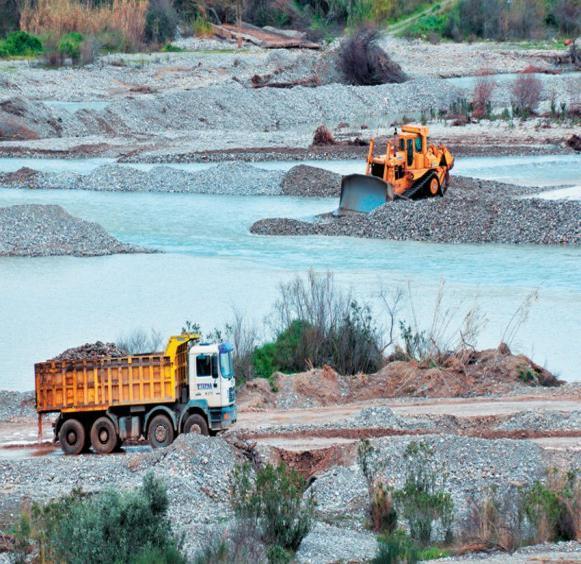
20 436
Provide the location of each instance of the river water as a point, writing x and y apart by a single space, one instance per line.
211 263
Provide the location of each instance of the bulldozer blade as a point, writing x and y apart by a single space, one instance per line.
361 193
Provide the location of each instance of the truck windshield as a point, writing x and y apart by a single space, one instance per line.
226 365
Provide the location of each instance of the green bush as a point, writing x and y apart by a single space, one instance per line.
69 45
169 48
396 548
20 44
202 27
161 22
422 501
272 504
108 527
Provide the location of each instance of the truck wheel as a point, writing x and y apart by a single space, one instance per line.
160 432
103 436
72 437
196 424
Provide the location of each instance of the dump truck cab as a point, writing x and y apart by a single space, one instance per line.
212 386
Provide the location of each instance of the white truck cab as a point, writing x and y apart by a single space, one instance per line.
212 386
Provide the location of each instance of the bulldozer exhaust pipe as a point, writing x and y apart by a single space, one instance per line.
361 193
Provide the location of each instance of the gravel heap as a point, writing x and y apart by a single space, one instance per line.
195 469
310 181
472 467
91 350
229 105
473 211
16 404
236 178
46 230
329 543
542 421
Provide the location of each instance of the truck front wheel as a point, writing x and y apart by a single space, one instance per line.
160 432
103 436
196 424
72 437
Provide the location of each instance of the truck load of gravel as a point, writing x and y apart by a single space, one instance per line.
46 230
91 350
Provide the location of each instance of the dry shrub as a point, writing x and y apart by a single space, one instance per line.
526 94
482 97
494 523
58 17
382 512
363 62
323 136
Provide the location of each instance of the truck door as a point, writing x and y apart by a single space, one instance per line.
205 382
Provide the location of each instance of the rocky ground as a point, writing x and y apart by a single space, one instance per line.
174 105
239 179
197 469
472 211
46 230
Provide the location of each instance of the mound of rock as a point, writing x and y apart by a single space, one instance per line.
310 181
91 350
46 230
479 373
473 469
473 211
542 421
238 179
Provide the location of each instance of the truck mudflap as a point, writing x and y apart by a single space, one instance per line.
362 193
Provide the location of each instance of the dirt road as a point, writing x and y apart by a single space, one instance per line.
476 416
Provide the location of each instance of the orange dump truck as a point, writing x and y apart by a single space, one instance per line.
103 401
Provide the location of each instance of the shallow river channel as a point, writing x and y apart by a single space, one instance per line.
211 264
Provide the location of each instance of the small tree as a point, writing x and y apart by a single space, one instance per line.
422 500
272 504
363 62
526 94
107 527
482 97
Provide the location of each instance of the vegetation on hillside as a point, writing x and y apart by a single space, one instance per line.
108 526
130 25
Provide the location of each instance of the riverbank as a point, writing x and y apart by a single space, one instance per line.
472 211
48 230
466 438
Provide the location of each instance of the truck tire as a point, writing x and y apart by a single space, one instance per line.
160 432
196 424
103 436
72 436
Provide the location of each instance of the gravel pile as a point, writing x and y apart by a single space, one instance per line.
195 469
328 543
16 404
238 178
46 230
472 467
542 421
91 350
473 211
310 181
229 105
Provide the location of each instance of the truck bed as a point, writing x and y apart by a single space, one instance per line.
103 382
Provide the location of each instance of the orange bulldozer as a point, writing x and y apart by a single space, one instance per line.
411 168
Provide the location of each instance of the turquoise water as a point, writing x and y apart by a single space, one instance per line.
212 264
538 170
